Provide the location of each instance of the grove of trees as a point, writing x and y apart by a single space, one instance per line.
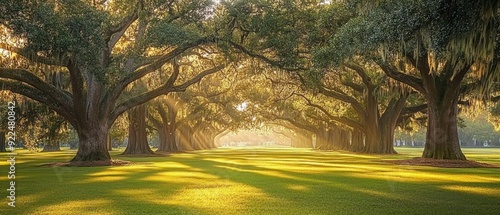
336 75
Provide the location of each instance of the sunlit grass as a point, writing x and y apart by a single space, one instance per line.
254 181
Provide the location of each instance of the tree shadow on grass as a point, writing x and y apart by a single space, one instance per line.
235 183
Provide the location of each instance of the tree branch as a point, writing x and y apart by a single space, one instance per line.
362 73
33 57
164 89
340 96
454 86
309 128
261 57
343 120
392 72
57 95
414 109
197 78
35 94
356 87
153 66
117 31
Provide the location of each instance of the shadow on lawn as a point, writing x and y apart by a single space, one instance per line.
259 182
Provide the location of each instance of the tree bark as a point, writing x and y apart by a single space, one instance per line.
441 90
442 132
357 141
137 136
322 140
442 95
92 143
109 143
169 144
185 137
3 144
344 139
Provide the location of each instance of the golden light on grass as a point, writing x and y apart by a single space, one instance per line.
376 193
172 164
110 173
217 196
261 172
97 206
181 177
297 187
213 197
474 190
404 175
109 178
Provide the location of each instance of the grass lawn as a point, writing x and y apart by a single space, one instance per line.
253 181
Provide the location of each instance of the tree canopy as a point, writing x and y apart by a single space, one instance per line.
343 73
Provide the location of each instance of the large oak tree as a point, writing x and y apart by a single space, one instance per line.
451 47
104 49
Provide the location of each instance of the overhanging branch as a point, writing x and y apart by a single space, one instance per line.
56 95
164 89
33 57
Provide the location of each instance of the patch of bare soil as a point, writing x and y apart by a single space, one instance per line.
443 163
88 163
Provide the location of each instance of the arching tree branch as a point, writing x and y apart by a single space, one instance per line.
56 95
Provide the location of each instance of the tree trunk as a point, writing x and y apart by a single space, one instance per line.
3 143
442 132
92 143
379 129
110 144
357 141
344 139
196 141
380 141
218 136
169 144
51 146
320 139
162 136
306 140
330 139
185 137
137 136
442 95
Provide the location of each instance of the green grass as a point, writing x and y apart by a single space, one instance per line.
254 181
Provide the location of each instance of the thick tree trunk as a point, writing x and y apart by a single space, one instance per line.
162 136
442 132
334 137
380 141
185 138
110 144
92 144
379 129
357 141
196 141
218 136
137 136
169 144
321 141
3 143
442 95
306 140
330 139
344 140
204 137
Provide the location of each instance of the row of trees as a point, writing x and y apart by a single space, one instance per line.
347 73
